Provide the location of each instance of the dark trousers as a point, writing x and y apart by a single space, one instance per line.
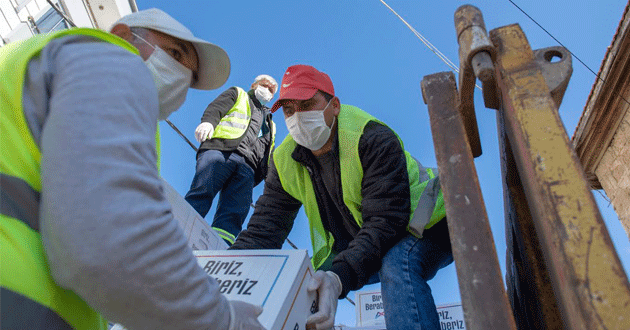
228 173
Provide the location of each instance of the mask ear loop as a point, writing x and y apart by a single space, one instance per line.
333 123
334 117
148 43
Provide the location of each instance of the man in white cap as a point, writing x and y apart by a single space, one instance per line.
87 233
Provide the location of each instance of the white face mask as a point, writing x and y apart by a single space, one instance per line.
263 94
171 78
309 129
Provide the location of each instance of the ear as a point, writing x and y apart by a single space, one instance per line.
123 31
336 104
254 84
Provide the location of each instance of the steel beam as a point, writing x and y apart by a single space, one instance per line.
591 286
483 296
529 288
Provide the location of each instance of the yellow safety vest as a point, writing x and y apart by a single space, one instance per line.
235 122
296 181
29 293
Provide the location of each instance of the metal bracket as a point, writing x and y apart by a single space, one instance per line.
476 54
556 73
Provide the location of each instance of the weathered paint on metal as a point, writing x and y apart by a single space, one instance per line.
527 279
472 39
557 73
586 273
483 296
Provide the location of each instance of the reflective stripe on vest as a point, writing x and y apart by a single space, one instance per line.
296 181
19 201
234 124
273 140
25 271
33 315
430 208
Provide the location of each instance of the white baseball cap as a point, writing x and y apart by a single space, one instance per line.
214 63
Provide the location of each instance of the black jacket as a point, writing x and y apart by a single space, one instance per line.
253 148
385 208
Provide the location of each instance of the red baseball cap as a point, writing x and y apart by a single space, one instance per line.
301 82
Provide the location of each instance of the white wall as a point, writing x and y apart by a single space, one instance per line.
14 26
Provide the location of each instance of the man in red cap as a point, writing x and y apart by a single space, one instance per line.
375 213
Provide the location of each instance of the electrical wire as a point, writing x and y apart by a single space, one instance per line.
425 41
554 38
558 41
180 134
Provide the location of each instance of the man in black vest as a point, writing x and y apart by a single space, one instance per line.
236 135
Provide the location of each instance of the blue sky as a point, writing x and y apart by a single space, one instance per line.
377 63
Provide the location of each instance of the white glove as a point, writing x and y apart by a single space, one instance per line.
244 316
204 131
328 286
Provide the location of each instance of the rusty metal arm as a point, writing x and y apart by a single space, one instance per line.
476 53
529 287
484 300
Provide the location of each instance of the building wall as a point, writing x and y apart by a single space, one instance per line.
20 19
614 172
14 19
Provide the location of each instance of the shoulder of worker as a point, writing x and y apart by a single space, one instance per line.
87 60
227 97
92 58
377 134
86 47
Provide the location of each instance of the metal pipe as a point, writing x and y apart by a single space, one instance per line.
61 13
483 296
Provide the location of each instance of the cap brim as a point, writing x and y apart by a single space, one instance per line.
214 65
295 93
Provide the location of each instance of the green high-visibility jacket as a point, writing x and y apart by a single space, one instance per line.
25 280
427 208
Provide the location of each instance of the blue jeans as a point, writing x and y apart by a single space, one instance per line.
406 269
227 172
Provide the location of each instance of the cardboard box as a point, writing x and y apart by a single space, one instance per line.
371 315
198 232
273 279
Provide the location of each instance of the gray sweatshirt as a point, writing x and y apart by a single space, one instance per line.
107 228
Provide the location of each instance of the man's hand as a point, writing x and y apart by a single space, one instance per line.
328 287
204 131
244 316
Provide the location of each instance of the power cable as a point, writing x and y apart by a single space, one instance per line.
182 135
427 43
558 41
554 38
